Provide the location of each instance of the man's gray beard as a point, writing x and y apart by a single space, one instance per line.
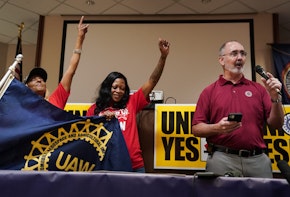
236 70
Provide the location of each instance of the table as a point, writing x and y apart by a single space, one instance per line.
104 183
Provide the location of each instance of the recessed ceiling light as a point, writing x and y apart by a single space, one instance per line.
90 2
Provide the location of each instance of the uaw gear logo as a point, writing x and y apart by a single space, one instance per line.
80 146
286 125
286 79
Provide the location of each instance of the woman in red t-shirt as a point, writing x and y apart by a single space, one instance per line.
114 100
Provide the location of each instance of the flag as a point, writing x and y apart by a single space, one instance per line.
281 59
36 135
18 68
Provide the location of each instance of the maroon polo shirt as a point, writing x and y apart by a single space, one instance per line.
223 97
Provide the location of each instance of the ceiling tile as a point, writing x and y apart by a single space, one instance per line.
34 26
177 9
17 15
233 8
203 8
29 37
11 30
263 5
98 8
64 9
13 12
120 9
148 6
36 6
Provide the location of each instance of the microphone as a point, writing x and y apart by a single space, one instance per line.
285 169
262 72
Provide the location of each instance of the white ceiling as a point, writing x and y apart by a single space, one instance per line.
14 12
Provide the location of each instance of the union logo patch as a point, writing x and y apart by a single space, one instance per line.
286 79
286 125
75 147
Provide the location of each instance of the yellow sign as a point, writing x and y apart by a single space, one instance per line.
79 109
175 145
176 148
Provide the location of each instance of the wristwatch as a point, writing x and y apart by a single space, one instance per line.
279 99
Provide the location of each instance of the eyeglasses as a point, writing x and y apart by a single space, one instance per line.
236 53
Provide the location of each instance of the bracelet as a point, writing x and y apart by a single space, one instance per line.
77 51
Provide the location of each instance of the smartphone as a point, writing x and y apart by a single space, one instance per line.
235 117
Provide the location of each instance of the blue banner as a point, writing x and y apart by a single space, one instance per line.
36 135
281 58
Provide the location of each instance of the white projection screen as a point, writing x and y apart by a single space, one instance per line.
131 47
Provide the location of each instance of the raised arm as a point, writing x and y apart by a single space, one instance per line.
156 74
66 80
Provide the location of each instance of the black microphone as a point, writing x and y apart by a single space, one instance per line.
262 72
285 169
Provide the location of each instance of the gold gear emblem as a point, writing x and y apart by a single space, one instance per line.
95 134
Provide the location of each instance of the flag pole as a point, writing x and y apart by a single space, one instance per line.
18 68
11 70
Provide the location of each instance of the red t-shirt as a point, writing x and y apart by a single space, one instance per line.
59 97
128 124
223 97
